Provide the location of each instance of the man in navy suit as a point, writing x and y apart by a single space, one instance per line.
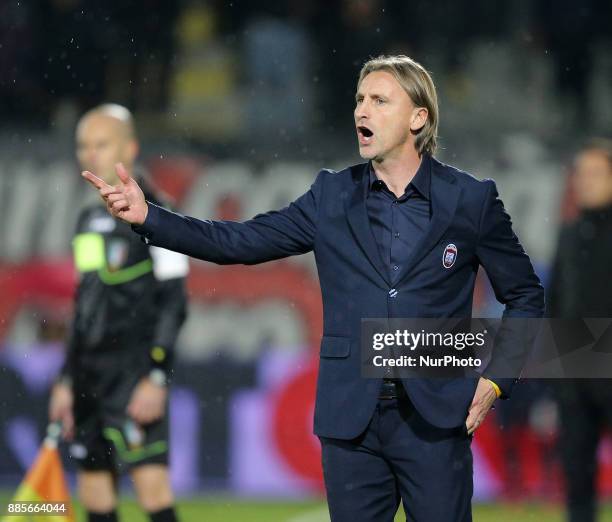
381 233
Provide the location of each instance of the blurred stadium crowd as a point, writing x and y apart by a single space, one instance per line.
261 73
238 103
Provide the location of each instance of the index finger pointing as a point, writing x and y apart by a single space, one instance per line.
94 180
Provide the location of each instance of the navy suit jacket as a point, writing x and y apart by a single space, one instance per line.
331 219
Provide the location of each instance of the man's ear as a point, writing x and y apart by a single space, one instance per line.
419 118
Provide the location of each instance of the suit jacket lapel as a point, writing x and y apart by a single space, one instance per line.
444 196
359 221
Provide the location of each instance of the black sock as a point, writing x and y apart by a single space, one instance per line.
110 516
164 515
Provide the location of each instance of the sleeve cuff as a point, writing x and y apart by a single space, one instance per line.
147 229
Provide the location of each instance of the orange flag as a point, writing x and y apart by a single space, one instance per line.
44 492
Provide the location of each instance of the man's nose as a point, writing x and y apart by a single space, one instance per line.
361 112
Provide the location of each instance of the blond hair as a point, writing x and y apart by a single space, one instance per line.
418 84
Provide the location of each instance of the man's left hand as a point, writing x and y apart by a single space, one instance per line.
481 404
148 402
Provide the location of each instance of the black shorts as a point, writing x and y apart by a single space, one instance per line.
106 438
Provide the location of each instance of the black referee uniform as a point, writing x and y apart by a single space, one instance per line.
130 305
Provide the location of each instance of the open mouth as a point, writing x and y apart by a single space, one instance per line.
364 131
364 134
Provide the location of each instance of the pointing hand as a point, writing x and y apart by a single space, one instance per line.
125 200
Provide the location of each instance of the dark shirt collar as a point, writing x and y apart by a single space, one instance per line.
421 180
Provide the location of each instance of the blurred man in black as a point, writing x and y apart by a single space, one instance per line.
111 395
580 287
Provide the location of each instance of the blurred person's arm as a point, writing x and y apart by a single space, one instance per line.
148 401
67 371
170 270
62 397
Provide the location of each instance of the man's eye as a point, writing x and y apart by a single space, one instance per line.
379 101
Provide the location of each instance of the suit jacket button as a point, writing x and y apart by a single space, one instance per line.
393 293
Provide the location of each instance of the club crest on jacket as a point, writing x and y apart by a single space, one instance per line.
449 256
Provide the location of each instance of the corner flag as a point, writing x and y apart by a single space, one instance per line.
43 495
